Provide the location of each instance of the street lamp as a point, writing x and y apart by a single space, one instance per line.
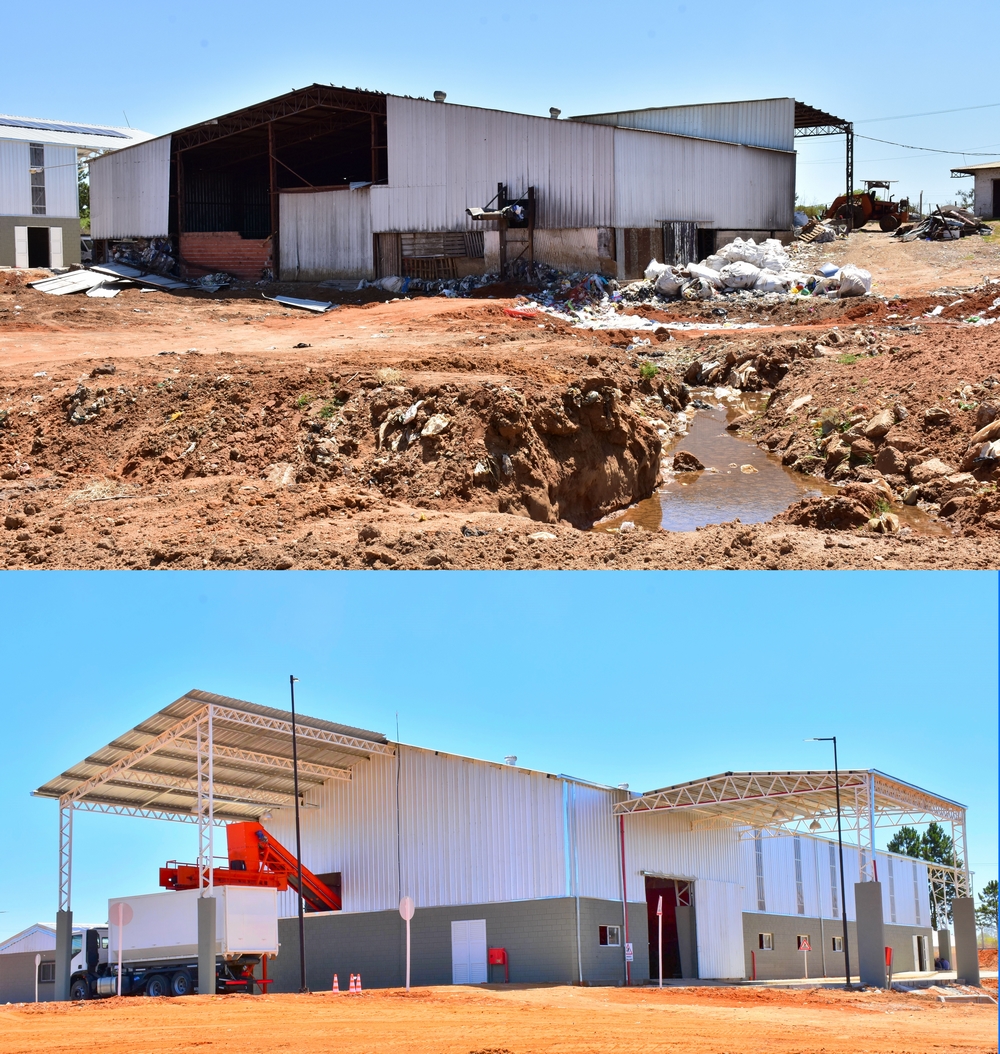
840 846
298 842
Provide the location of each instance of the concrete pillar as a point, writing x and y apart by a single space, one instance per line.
944 946
963 919
206 945
871 933
64 953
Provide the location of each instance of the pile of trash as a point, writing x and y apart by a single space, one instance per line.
147 254
764 268
943 224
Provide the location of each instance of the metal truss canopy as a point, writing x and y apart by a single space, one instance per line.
806 802
160 766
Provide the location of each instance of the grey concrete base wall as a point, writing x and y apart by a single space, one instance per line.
70 229
966 960
785 962
539 935
17 978
871 933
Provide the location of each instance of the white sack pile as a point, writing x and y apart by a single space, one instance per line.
745 265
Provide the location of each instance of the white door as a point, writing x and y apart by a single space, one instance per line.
20 246
55 247
468 952
718 915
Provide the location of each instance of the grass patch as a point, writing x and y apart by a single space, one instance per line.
304 400
881 506
848 358
329 408
647 371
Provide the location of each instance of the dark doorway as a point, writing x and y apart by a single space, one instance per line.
706 243
666 888
996 199
38 247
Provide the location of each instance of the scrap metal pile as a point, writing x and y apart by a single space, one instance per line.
944 224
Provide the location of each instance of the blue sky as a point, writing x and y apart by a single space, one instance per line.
167 66
642 678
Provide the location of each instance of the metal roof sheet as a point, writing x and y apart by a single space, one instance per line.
153 768
83 136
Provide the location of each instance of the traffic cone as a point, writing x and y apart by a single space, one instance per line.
336 984
357 991
353 988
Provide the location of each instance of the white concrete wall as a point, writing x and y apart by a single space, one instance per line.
983 205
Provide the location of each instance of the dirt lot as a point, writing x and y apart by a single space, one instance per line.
223 431
518 1020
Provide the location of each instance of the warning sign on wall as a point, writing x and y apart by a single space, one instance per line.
629 957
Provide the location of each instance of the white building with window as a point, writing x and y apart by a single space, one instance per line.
39 186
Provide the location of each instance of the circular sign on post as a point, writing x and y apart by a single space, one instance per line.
406 908
38 959
123 914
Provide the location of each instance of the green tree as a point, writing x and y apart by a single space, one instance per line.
936 847
83 189
986 913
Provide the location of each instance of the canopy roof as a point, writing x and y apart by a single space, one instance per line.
797 800
152 770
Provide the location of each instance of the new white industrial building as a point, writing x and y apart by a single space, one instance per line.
328 182
39 192
563 874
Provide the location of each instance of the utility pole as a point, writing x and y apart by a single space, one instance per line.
840 846
298 844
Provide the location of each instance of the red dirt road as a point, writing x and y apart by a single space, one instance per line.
514 1020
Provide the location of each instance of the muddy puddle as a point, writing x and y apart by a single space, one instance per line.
740 480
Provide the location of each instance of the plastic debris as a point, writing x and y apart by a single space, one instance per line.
319 306
942 225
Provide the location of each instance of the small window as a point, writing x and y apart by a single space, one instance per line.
77 943
765 942
800 939
610 936
104 942
837 944
46 971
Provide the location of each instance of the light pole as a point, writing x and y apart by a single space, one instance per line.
298 843
840 846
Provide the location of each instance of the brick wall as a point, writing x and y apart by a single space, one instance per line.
210 251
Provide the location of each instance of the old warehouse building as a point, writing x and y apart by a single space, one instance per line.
562 873
329 182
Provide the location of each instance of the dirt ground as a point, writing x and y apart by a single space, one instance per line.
514 1020
224 431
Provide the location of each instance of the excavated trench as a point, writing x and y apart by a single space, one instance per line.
740 481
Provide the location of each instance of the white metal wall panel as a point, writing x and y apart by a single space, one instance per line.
325 234
444 158
130 191
55 247
660 177
62 195
470 833
15 178
595 844
20 246
779 879
758 122
719 928
666 845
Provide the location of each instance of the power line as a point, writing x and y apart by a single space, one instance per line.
925 149
929 113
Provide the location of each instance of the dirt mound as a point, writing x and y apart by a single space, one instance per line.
987 958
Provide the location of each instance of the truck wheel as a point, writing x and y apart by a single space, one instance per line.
79 989
180 983
889 222
157 985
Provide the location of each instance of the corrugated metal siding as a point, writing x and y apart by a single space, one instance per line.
719 928
667 845
15 178
327 234
759 122
779 879
130 191
444 158
470 833
660 177
62 195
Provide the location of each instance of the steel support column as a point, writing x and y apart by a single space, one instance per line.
64 915
849 158
206 802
